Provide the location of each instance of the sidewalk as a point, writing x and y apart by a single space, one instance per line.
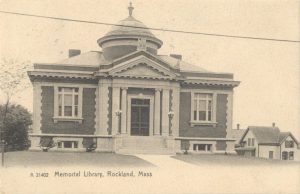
165 161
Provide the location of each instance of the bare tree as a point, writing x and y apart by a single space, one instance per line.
13 79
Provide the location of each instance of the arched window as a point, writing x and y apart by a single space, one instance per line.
285 155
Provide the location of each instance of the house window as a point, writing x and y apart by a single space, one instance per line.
285 155
291 155
289 144
202 107
68 102
67 144
202 147
251 141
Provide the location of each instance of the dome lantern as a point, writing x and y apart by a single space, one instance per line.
125 36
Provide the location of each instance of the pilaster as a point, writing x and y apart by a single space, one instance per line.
157 112
115 110
37 107
229 115
165 111
175 109
124 111
103 107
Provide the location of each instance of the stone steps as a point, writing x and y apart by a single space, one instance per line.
143 142
144 145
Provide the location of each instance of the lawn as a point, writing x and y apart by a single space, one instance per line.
35 159
218 159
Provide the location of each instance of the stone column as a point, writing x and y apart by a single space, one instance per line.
103 105
175 109
165 111
115 108
157 112
124 111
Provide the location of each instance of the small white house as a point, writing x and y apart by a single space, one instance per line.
268 142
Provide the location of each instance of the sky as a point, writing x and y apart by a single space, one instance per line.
269 71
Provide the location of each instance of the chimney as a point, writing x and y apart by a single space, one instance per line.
273 125
238 126
176 56
74 52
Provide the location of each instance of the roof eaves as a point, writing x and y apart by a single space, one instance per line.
289 134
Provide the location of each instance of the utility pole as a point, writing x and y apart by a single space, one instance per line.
2 142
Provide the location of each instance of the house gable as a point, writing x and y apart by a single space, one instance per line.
251 135
289 138
243 136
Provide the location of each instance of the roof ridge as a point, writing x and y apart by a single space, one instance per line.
263 126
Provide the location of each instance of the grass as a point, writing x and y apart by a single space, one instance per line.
35 159
218 159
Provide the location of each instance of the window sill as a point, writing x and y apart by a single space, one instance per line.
201 123
77 119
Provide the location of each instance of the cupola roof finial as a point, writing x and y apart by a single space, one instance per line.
130 8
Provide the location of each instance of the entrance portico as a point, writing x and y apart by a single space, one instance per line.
142 107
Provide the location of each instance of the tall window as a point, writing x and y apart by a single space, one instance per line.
202 110
291 155
251 141
68 102
285 155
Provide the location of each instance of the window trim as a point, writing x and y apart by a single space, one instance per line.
56 116
214 107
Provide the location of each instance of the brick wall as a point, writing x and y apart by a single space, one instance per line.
68 127
186 130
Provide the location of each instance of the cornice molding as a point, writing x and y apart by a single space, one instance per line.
47 74
212 82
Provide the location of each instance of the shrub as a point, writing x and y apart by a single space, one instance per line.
89 143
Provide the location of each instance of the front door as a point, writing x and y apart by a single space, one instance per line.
140 112
271 153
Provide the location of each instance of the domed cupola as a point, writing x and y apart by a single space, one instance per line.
128 36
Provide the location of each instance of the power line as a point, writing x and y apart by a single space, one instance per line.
156 29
